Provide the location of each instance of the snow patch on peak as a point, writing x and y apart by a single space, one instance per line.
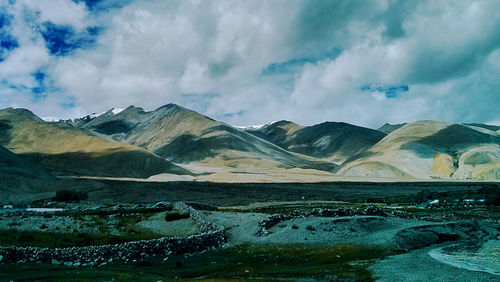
50 119
116 111
253 127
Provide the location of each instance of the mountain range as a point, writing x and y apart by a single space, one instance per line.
174 143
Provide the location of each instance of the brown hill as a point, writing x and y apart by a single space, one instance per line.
184 136
426 149
336 141
64 149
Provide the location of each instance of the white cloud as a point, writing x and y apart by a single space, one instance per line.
151 52
61 12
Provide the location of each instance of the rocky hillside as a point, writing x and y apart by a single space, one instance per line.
65 149
431 149
184 136
174 143
336 141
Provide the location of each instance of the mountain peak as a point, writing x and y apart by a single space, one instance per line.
22 112
282 122
388 127
172 105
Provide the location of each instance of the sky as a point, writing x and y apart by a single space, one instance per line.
250 62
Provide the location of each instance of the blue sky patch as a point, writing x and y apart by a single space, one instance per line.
389 91
44 85
7 41
103 5
239 113
69 104
198 101
295 64
63 40
39 92
5 18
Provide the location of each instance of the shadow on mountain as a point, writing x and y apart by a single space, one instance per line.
274 133
136 164
365 154
114 127
189 148
5 131
450 140
329 138
12 165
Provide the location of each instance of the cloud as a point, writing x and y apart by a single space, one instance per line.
249 62
60 12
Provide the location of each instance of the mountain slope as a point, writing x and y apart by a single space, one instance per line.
426 149
12 166
388 128
20 178
65 149
335 141
184 136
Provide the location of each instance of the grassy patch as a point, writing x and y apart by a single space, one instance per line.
269 262
107 212
288 208
130 220
484 212
239 262
60 240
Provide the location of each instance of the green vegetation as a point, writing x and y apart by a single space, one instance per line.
239 262
106 212
477 213
46 239
125 221
174 215
288 208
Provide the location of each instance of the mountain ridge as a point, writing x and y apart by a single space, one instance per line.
334 141
172 140
67 149
181 135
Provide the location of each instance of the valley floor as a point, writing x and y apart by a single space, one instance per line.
293 234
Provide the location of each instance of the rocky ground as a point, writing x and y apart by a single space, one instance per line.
418 265
340 242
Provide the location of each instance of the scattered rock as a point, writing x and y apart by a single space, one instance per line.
212 236
426 235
